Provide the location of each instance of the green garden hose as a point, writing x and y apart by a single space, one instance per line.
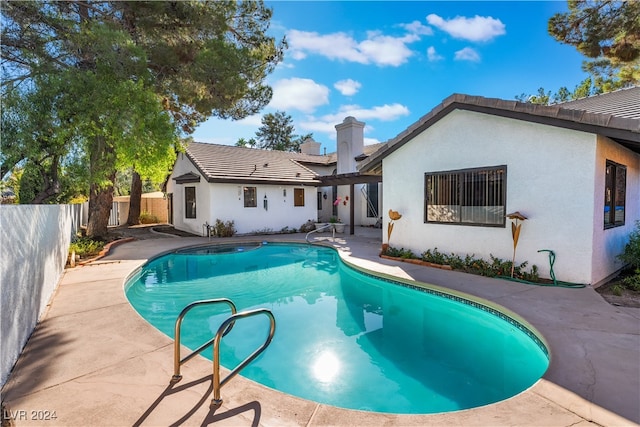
552 260
552 274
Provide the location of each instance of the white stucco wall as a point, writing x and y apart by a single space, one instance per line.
326 212
550 179
193 225
607 244
34 243
227 203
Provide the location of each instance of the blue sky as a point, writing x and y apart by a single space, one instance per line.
387 63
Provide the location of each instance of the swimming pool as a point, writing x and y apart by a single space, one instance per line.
344 337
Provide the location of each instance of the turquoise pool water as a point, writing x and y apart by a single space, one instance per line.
343 337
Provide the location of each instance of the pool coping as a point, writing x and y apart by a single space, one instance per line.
146 400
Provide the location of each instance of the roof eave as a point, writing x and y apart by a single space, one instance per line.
619 129
244 180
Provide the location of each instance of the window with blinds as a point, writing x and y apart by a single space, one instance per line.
469 196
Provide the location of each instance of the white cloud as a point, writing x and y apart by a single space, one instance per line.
371 141
314 125
348 87
476 29
467 54
386 50
383 112
251 121
327 124
299 94
334 46
433 55
416 27
285 65
376 49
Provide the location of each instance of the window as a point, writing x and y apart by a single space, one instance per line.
319 200
372 200
614 194
189 202
298 197
468 197
250 197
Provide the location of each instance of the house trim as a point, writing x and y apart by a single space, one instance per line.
187 178
625 131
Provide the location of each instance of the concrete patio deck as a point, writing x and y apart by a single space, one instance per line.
95 362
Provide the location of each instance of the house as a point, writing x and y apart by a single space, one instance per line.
572 169
263 190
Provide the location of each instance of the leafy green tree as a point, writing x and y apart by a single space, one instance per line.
607 32
583 90
37 138
139 72
277 133
124 178
251 142
542 98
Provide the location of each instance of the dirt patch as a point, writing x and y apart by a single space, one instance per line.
145 231
616 294
168 229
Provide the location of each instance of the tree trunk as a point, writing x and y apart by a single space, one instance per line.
102 170
100 202
135 199
52 183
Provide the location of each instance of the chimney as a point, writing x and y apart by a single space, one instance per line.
350 144
309 146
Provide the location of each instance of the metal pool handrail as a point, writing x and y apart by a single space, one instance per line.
321 228
222 331
176 343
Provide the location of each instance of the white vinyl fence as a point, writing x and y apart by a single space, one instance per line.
113 216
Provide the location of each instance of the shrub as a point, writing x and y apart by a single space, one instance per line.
148 218
631 255
286 229
633 282
84 246
400 253
617 290
470 264
307 227
224 229
631 252
265 230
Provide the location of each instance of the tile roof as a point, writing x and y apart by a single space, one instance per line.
620 103
608 116
224 163
332 158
